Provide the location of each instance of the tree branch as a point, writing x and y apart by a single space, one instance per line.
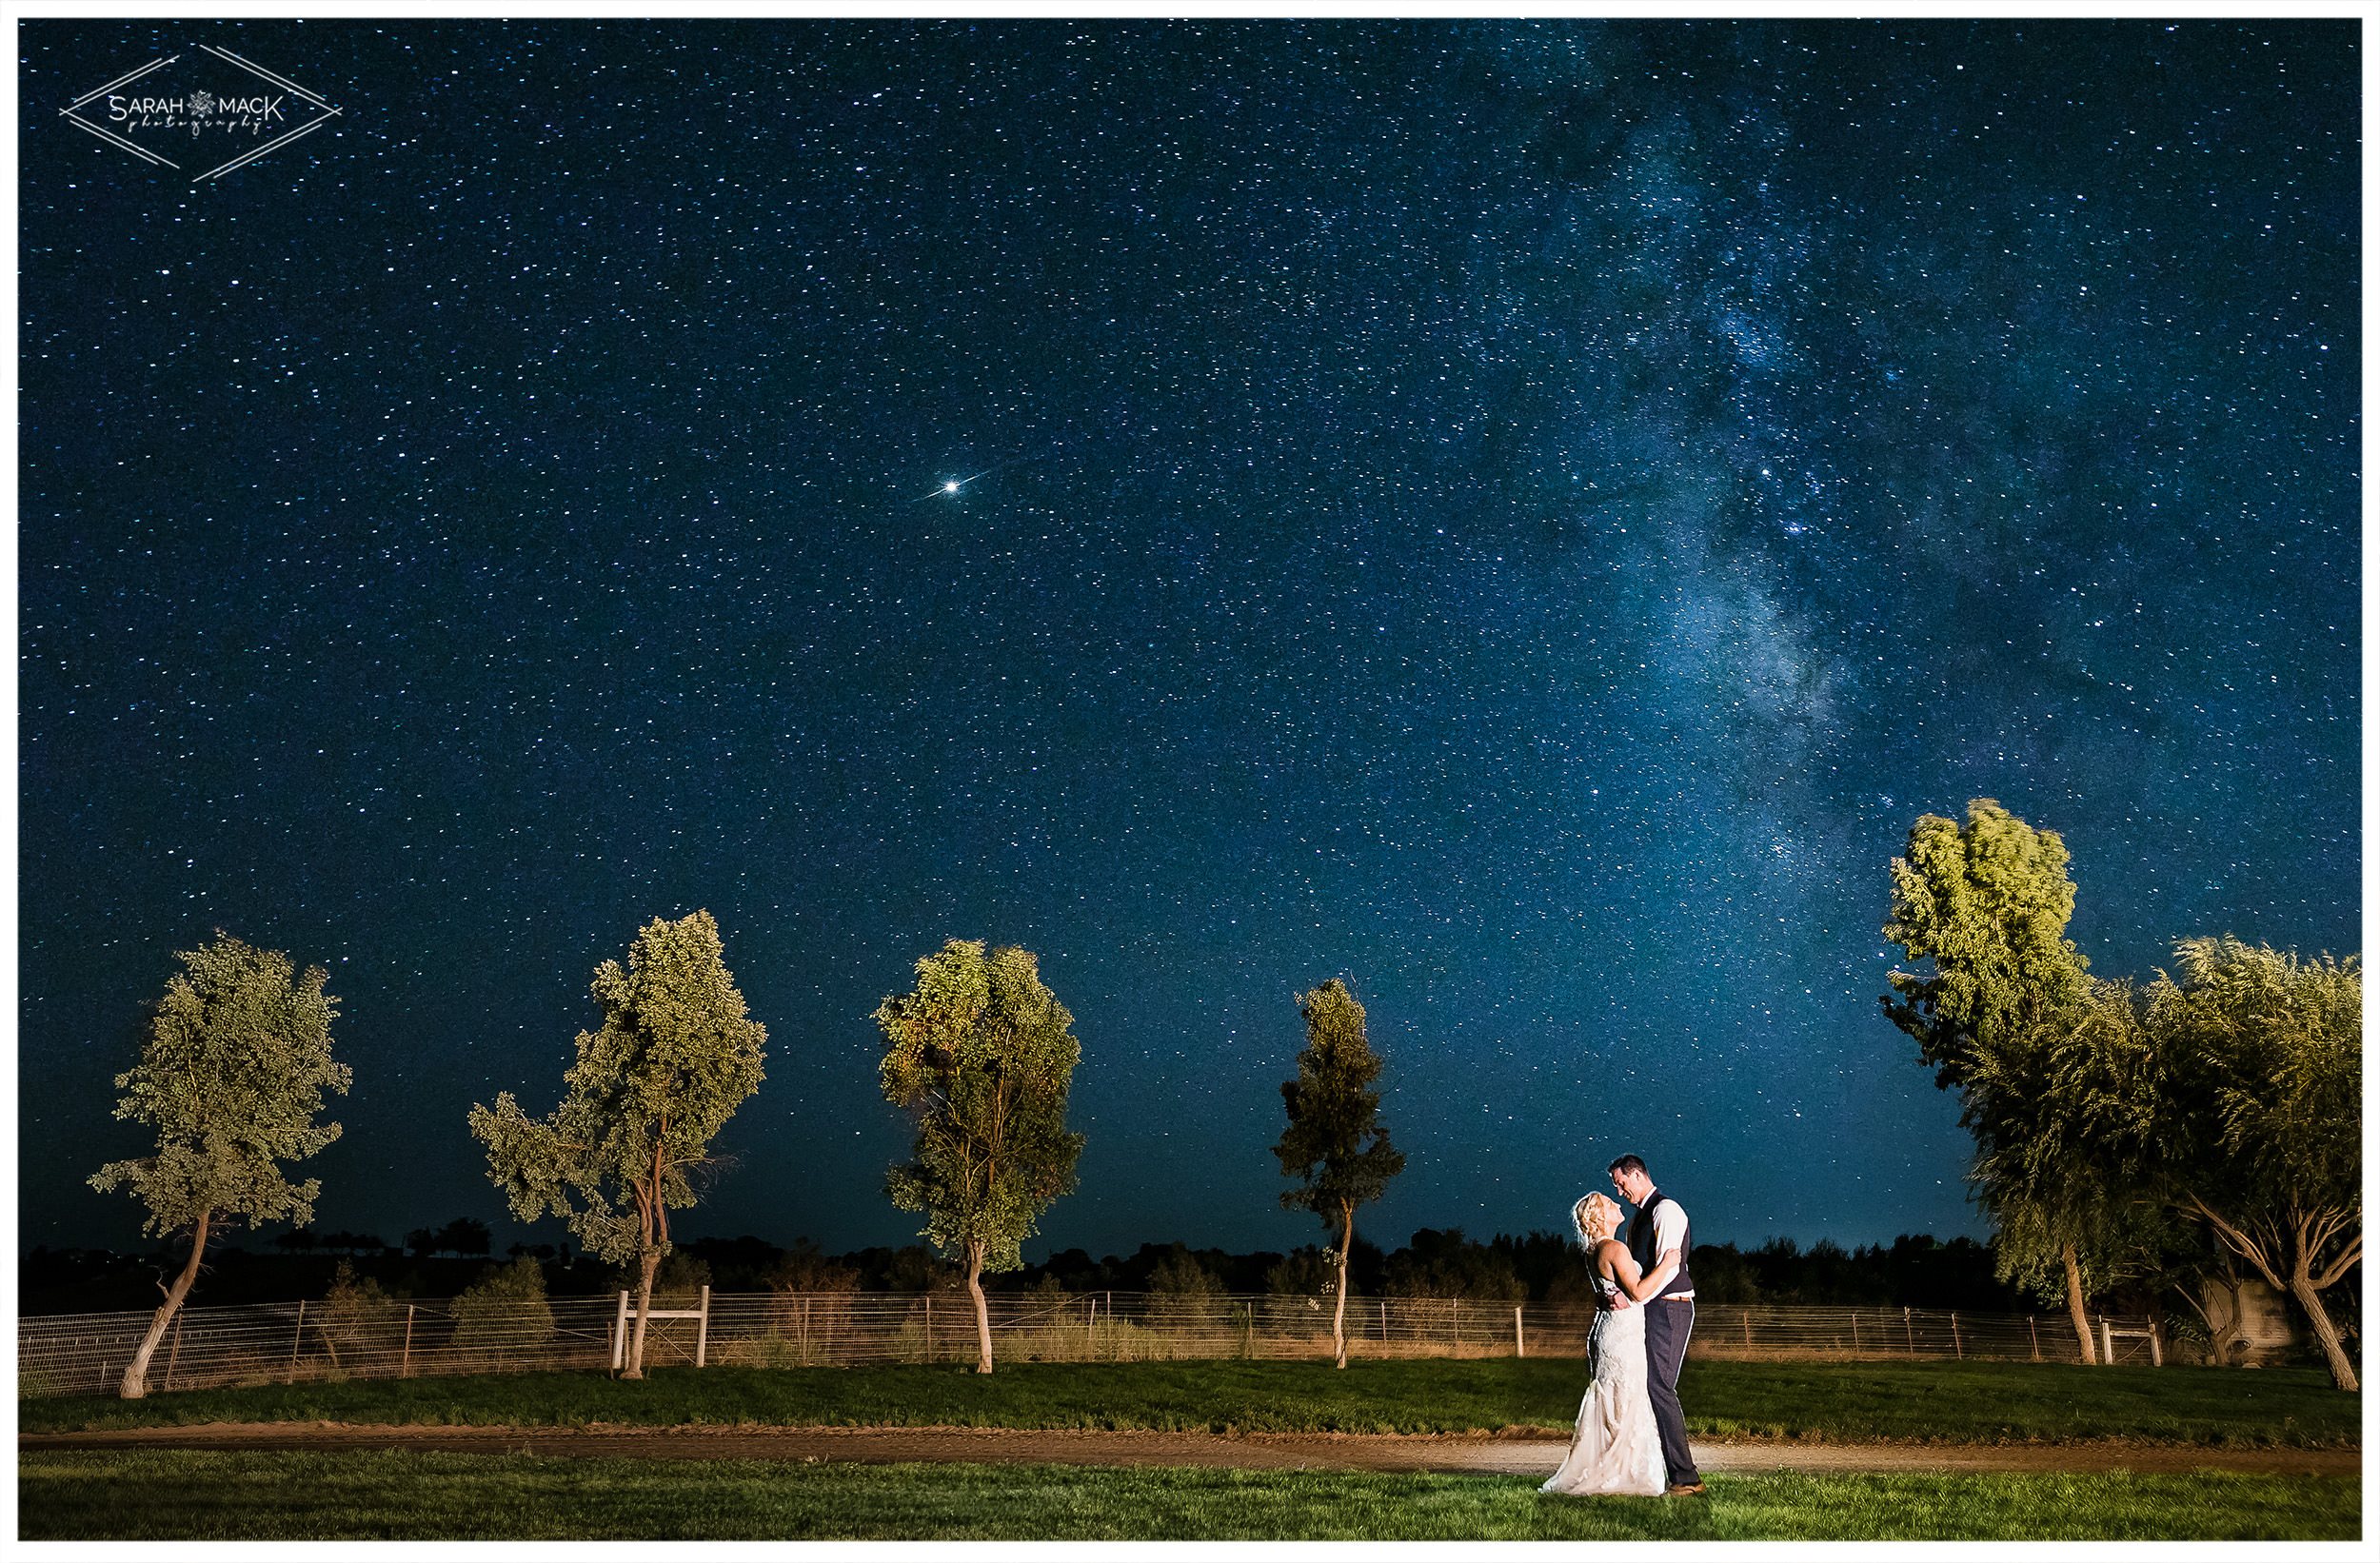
2237 1240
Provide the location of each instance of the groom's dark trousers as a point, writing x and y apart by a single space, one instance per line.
1669 1322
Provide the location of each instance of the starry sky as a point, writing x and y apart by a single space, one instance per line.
1521 515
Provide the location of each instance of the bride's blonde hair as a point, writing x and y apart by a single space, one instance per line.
1595 1216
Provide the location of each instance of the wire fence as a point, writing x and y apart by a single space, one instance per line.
281 1343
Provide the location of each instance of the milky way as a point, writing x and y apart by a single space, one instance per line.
1525 516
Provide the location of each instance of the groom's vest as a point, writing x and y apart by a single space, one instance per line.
1640 1242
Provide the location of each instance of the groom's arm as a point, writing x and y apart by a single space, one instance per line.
1662 1270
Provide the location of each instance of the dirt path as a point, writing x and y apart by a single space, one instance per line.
1278 1451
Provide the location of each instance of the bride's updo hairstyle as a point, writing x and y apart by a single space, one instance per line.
1595 1216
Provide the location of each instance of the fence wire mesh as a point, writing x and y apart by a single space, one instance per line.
204 1348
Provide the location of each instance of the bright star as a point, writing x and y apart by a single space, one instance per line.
952 485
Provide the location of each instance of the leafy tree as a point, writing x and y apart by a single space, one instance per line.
981 1056
914 1267
2267 1092
1987 903
2065 1174
464 1237
1183 1291
680 1280
1335 1147
1180 1275
233 1072
356 1315
676 1055
806 1267
505 1310
1304 1272
1447 1264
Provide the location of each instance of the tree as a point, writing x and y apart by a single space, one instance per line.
1304 1272
675 1056
504 1311
356 1315
231 1076
1183 1291
464 1237
1987 903
2077 1139
2267 1054
981 1056
1336 1146
1447 1264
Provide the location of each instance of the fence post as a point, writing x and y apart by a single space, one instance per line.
1957 1351
1855 1329
2107 1344
1746 1319
1457 1326
296 1338
619 1335
1250 1352
175 1353
1383 1319
1909 1333
2156 1354
1520 1346
929 1326
2034 1329
702 1329
405 1363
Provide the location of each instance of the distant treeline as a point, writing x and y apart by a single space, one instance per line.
1910 1272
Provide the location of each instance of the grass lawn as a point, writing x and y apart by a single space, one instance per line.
211 1495
1838 1402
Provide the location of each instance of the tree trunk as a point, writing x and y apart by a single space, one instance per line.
643 1309
1339 1314
983 1317
2075 1305
135 1384
2302 1288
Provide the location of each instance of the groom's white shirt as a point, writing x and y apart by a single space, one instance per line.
1668 1231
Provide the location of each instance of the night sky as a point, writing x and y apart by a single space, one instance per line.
1525 516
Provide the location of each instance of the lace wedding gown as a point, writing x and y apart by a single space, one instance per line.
1616 1448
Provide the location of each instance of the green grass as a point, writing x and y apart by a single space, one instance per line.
208 1495
1837 1402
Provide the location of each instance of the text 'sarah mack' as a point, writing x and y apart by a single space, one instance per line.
167 110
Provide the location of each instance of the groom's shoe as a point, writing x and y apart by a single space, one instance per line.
1684 1489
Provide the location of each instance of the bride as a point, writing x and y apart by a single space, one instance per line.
1616 1448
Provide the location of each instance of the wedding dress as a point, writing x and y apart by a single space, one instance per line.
1617 1446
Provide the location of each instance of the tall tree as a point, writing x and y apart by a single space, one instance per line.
232 1075
2268 1068
1987 903
1335 1147
2076 1142
676 1056
981 1056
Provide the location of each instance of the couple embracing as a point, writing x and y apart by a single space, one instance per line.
1632 1435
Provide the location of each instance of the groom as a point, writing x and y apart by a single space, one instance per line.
1658 1240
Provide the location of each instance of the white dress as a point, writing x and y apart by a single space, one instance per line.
1616 1448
